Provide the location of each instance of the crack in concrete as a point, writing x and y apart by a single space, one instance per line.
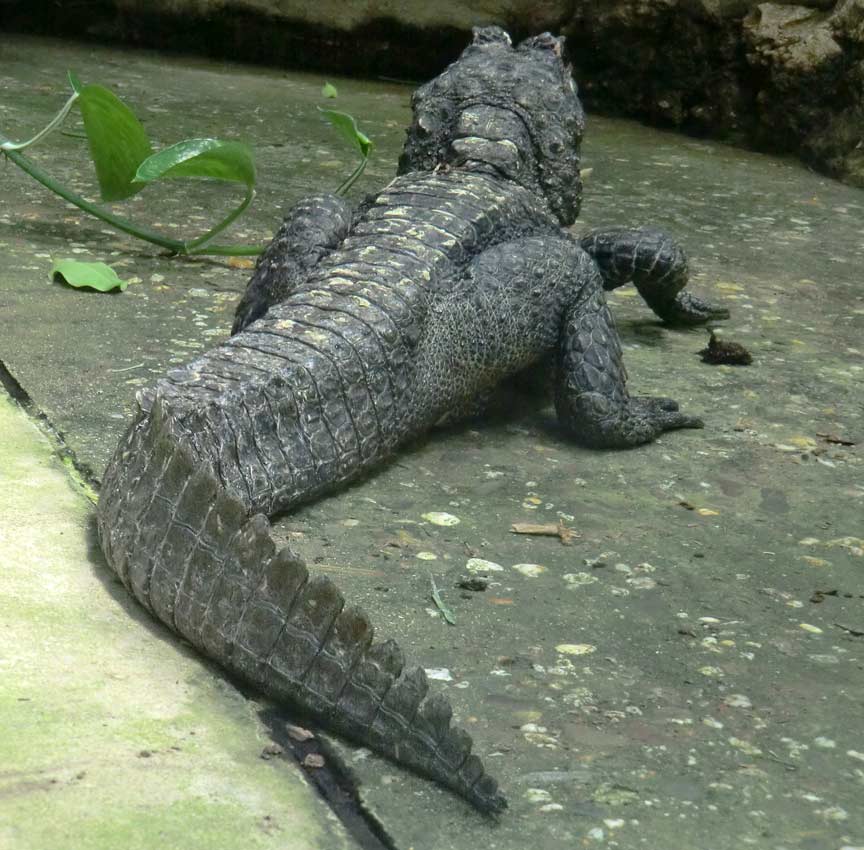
333 781
79 472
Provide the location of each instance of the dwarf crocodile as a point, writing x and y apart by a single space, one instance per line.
360 330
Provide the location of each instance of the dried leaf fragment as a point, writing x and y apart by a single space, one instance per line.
725 352
446 613
547 529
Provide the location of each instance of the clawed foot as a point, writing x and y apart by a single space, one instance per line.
599 422
247 312
689 309
657 414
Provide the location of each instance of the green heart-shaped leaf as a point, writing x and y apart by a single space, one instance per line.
118 143
329 90
201 158
347 127
93 275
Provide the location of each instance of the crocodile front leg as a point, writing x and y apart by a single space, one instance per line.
591 395
313 227
657 265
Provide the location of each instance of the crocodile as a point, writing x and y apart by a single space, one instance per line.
361 329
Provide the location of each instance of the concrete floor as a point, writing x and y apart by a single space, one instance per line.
689 672
114 734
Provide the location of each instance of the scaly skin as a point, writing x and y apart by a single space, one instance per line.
359 331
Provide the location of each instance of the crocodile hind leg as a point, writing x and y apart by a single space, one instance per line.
657 265
313 227
591 395
521 303
501 318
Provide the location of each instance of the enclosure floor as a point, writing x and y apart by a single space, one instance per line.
687 673
115 734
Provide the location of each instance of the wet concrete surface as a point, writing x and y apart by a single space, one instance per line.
689 671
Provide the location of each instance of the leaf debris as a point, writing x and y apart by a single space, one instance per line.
446 613
548 529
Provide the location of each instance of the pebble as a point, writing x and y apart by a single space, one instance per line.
575 580
529 570
479 565
745 747
441 518
576 648
442 674
538 795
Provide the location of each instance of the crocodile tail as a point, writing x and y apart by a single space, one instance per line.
188 550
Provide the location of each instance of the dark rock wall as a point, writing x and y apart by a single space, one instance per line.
780 76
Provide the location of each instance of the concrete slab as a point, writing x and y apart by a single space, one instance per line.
688 672
115 735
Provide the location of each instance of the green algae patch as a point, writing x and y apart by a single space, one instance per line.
114 735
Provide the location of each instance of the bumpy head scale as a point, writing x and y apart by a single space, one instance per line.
513 110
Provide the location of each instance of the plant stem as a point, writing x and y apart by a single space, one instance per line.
353 177
230 250
175 246
197 246
30 167
8 145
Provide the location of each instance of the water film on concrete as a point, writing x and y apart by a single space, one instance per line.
688 670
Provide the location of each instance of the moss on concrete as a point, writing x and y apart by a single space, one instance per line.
113 734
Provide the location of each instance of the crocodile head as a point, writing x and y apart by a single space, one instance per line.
511 110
